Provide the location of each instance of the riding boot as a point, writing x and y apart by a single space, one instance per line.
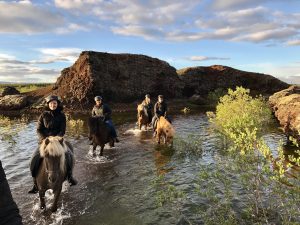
71 179
117 140
34 189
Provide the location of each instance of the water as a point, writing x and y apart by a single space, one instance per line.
119 188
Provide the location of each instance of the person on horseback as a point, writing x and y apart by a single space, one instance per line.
52 122
103 110
160 109
148 106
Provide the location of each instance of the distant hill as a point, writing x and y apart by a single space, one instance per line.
203 79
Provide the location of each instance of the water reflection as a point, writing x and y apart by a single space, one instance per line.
120 189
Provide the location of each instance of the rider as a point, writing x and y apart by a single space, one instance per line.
149 106
52 122
160 109
102 110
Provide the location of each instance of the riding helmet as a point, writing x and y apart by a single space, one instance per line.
161 96
98 98
52 98
147 96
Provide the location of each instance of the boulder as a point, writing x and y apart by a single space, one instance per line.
13 102
202 80
116 77
9 91
286 107
199 100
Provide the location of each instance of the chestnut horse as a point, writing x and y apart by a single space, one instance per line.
52 171
142 117
99 133
164 129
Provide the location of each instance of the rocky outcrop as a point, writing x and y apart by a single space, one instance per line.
13 102
286 106
9 91
117 77
202 80
128 77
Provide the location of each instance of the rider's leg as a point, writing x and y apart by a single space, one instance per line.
154 119
70 162
113 130
34 167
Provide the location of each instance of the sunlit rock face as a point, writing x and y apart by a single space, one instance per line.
117 77
286 106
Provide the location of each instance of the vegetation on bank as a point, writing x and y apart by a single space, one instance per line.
248 183
24 87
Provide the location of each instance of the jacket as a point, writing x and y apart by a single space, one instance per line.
51 123
102 111
160 109
149 106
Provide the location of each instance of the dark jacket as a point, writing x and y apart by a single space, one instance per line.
9 212
160 109
149 106
102 111
51 123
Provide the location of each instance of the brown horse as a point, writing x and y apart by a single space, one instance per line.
52 171
164 129
142 117
99 133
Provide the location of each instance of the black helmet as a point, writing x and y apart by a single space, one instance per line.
147 96
98 98
52 98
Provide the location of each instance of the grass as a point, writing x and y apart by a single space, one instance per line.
23 87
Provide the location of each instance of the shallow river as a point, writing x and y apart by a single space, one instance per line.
121 187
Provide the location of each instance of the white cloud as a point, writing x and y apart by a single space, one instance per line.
206 58
222 4
286 72
293 42
24 17
277 34
15 70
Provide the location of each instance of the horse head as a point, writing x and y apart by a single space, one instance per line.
53 150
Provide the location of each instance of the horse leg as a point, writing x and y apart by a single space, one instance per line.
158 135
42 199
56 197
101 150
94 150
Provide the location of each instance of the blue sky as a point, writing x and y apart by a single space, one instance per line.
40 38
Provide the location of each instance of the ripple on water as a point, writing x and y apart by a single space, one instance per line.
118 187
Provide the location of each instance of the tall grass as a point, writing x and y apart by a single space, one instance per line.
24 87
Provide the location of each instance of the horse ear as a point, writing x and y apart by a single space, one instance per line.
47 141
61 140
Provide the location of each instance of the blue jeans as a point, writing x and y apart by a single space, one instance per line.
112 128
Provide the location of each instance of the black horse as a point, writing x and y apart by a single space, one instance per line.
99 134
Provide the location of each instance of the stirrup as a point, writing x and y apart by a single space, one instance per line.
33 190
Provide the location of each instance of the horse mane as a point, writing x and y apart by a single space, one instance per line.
54 146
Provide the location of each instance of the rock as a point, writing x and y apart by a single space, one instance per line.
13 102
202 80
9 91
199 100
286 106
117 77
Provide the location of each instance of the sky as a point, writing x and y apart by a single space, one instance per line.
40 38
